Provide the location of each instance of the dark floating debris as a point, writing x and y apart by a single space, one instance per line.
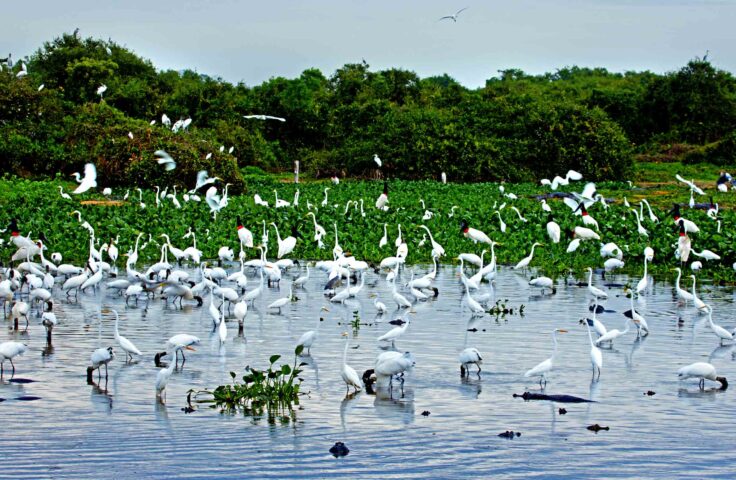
509 434
650 393
21 380
2 400
188 409
398 321
472 329
426 413
27 398
562 411
596 428
553 398
339 449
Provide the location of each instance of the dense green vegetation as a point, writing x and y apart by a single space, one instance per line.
39 208
518 127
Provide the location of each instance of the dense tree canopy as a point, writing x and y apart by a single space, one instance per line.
517 127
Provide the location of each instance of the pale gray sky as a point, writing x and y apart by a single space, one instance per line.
253 41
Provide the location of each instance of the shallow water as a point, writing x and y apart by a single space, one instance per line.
119 430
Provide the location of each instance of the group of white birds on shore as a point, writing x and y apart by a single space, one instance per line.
40 278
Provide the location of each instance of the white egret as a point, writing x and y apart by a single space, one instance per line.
524 262
89 180
394 334
286 246
684 295
348 373
553 230
614 333
596 357
308 338
718 330
264 117
128 347
163 158
281 301
596 292
542 369
699 304
643 282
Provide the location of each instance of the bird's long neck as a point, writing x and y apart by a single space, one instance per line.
345 352
645 267
554 340
532 254
626 330
590 278
590 336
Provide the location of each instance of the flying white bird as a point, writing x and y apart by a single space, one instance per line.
89 180
264 117
165 159
454 16
690 184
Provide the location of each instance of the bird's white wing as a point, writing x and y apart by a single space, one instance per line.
588 191
573 175
165 160
90 172
573 204
461 10
201 178
269 117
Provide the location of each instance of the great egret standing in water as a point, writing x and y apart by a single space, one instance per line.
542 369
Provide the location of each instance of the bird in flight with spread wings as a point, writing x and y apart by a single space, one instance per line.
453 17
264 117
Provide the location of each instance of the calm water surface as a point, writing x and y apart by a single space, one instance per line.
118 430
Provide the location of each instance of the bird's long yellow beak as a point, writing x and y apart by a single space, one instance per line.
189 347
562 331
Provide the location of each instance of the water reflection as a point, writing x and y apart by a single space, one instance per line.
233 445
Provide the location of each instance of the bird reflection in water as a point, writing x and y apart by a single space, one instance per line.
99 395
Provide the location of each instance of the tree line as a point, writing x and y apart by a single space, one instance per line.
518 127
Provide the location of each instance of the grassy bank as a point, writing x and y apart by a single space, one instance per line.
39 208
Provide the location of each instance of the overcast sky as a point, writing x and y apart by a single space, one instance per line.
253 41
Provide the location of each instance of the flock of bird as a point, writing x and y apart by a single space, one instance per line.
31 282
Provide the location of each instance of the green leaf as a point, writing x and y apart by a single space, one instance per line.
274 358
